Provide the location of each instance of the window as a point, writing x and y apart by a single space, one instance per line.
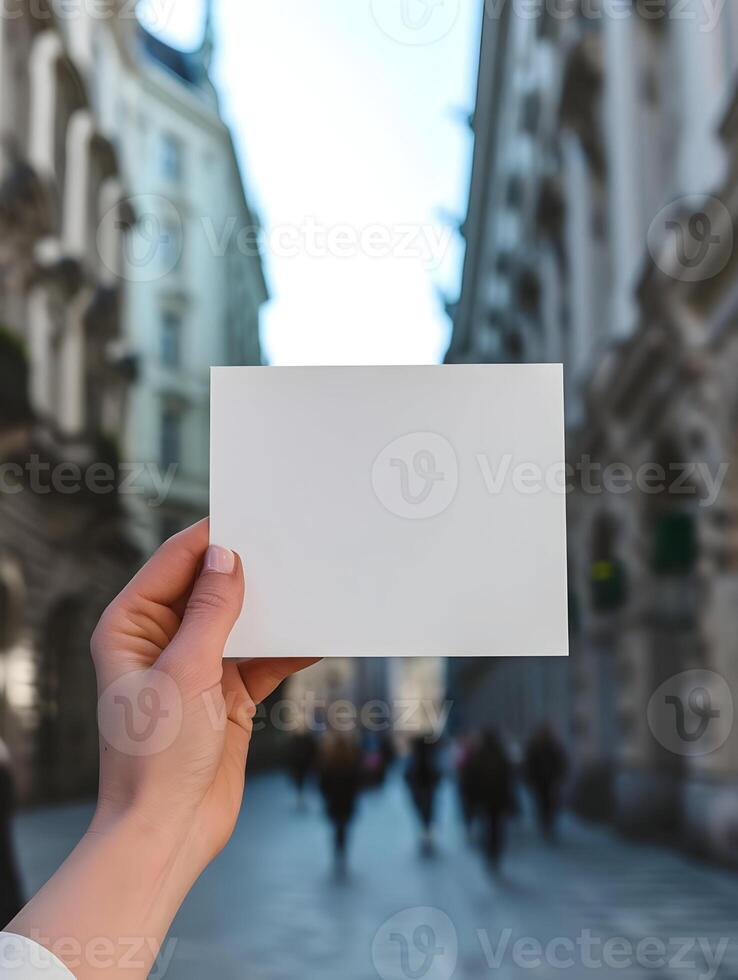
170 245
171 157
171 339
171 436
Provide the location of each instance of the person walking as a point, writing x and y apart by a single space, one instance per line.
465 755
423 776
340 769
546 766
493 775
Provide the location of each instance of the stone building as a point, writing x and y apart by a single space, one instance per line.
600 233
192 267
129 263
64 374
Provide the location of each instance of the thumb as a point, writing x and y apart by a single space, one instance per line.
211 612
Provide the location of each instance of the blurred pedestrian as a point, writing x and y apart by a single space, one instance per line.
546 766
340 768
423 776
303 749
494 780
464 758
11 899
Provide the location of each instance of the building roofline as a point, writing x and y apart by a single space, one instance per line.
489 83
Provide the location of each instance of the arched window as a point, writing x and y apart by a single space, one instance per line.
67 743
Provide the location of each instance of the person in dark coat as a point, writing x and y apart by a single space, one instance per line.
545 770
492 774
423 776
340 780
11 895
464 760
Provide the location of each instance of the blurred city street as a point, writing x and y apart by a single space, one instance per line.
271 908
387 183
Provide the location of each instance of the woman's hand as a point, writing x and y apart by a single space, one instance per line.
175 719
175 725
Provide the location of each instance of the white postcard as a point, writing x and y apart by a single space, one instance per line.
393 511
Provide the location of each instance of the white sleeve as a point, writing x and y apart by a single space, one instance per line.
22 959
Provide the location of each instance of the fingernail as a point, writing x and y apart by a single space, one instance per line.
219 560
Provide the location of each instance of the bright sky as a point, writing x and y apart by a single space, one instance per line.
349 119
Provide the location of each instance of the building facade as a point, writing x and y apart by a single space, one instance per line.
194 282
600 233
129 263
64 546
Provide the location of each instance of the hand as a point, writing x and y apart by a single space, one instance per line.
176 720
175 726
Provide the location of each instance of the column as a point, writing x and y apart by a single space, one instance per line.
578 237
109 245
39 344
77 183
700 72
71 408
628 234
47 49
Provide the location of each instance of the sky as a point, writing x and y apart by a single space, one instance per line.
349 118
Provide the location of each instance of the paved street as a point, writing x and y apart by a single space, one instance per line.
271 908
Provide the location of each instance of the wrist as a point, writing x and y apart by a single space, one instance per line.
152 842
112 901
158 853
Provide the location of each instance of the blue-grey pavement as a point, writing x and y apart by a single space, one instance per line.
272 908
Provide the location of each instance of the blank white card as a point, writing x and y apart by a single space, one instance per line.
393 511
